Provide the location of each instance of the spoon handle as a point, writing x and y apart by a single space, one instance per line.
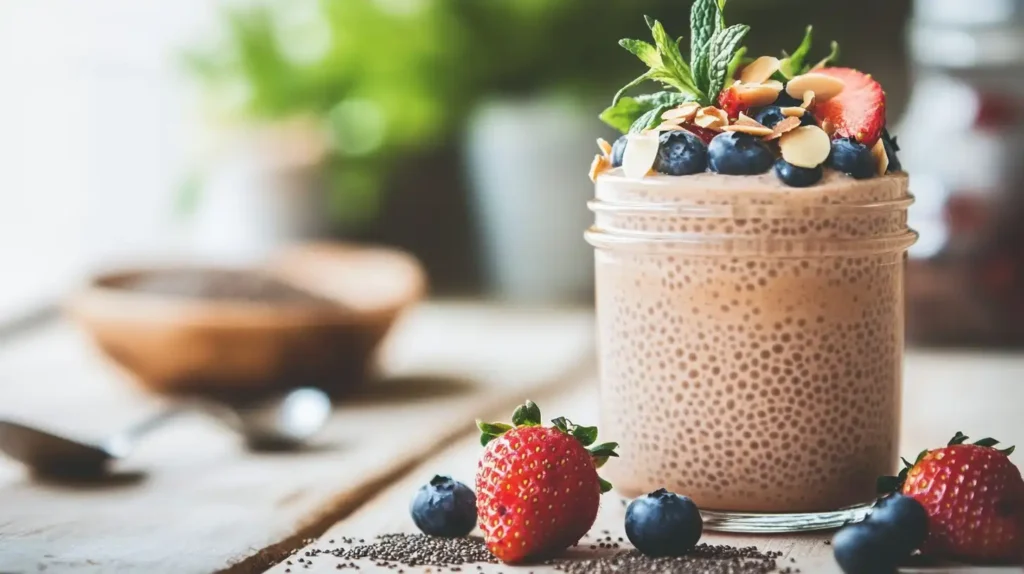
121 444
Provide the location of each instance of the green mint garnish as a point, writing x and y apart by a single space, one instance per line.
724 46
665 62
625 113
793 66
705 21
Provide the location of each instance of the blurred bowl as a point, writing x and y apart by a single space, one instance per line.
180 344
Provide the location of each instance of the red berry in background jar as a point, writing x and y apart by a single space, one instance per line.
965 213
974 496
995 111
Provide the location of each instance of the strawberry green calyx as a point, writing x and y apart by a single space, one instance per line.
889 484
528 415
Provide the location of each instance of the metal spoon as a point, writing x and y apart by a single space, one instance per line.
284 423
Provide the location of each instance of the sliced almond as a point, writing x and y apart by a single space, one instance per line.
774 84
881 158
784 127
793 112
760 70
667 127
712 118
828 127
824 87
606 148
600 165
684 112
745 120
757 95
641 151
808 146
759 131
810 98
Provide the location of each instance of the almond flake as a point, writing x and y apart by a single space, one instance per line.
824 87
808 146
757 95
667 127
809 100
684 112
784 127
712 118
641 151
759 131
745 120
601 164
793 112
606 148
773 84
881 157
760 70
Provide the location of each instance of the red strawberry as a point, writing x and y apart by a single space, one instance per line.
858 111
704 134
729 101
537 487
974 497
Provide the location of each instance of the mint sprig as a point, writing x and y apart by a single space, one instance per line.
625 114
793 65
713 58
705 20
724 46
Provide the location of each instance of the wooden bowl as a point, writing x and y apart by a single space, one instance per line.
178 344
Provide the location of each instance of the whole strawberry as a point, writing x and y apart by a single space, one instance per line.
537 487
974 497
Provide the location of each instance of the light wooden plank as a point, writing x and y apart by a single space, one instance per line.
936 405
206 505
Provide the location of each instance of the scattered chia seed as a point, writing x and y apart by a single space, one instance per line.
704 559
393 550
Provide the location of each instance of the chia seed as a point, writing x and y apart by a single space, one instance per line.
393 550
704 559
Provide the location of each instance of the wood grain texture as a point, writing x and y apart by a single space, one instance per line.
944 393
192 501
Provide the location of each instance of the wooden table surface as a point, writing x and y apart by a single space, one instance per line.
192 501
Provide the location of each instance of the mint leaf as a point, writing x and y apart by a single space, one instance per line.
618 96
705 20
721 9
647 53
793 66
832 57
628 110
650 119
724 45
738 60
672 59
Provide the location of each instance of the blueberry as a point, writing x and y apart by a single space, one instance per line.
735 153
891 147
865 548
853 158
663 524
444 507
618 150
681 153
904 518
770 116
787 101
796 176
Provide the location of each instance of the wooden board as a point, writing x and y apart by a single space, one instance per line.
192 501
936 405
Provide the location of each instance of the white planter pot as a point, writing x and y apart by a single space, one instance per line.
265 190
527 164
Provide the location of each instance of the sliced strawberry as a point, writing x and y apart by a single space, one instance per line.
729 101
859 111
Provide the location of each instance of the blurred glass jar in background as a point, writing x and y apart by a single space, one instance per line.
962 140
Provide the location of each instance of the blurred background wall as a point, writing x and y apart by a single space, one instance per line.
457 129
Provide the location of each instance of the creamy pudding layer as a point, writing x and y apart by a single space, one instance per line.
751 336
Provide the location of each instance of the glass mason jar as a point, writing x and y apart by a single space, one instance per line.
751 341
